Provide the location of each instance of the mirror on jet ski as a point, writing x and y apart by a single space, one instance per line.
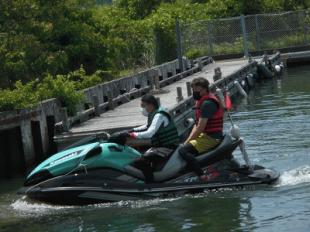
102 136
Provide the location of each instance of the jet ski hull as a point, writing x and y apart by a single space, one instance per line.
85 189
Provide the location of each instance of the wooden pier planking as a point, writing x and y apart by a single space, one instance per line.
129 115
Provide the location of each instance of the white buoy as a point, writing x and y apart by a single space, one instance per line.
277 68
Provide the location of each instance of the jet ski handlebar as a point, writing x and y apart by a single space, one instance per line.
103 135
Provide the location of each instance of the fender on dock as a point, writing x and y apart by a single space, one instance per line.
250 80
264 72
240 89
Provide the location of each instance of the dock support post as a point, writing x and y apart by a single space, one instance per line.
158 100
96 105
156 83
217 74
65 120
189 89
44 132
27 141
200 66
245 40
179 45
179 94
110 100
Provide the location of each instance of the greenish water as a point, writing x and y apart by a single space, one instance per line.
275 123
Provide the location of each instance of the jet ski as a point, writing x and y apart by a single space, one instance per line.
105 171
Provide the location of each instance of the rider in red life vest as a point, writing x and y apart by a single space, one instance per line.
207 132
215 123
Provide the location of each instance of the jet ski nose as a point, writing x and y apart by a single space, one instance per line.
38 177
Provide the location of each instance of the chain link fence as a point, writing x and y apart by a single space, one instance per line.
245 34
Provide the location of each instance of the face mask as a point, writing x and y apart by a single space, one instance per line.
196 95
144 112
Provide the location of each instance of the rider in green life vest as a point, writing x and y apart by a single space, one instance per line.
160 127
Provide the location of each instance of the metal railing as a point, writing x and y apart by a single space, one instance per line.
245 34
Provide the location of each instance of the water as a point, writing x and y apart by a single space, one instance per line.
275 122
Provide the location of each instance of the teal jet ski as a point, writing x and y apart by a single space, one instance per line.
106 171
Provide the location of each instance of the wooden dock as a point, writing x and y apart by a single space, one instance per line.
128 115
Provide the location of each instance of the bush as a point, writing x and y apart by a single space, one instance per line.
22 96
60 87
28 95
65 87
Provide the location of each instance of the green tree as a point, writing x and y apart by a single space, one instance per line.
139 9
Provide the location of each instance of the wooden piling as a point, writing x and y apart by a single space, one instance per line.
189 89
217 74
200 65
65 120
96 105
156 83
158 100
179 94
44 131
27 140
110 100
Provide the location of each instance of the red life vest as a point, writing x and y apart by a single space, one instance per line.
214 124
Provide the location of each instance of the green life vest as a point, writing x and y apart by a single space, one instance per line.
165 136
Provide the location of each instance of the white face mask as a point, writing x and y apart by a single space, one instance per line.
144 112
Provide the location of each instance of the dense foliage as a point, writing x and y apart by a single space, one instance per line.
43 44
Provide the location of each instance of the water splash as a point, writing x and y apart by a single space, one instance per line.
25 207
295 176
136 203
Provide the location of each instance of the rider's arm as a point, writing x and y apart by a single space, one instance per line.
197 129
140 128
158 120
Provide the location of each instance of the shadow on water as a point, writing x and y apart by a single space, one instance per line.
275 122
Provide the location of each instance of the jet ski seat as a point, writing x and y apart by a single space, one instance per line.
175 163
